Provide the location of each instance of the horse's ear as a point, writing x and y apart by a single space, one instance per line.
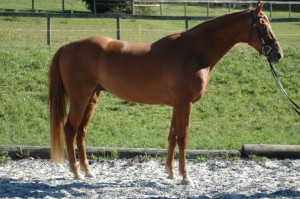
259 7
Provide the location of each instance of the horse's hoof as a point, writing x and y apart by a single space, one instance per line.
187 181
172 177
171 173
90 174
78 177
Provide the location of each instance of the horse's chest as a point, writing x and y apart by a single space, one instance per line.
200 84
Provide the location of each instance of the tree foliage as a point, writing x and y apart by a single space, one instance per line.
106 6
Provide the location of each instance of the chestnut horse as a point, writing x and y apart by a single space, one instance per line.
173 71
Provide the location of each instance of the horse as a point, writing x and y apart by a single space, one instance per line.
173 71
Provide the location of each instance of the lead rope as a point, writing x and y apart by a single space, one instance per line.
292 104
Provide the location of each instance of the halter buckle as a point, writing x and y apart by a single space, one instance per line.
266 50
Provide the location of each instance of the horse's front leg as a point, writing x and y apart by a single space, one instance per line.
87 118
183 113
169 169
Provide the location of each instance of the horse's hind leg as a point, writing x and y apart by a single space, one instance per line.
70 134
77 109
82 132
169 169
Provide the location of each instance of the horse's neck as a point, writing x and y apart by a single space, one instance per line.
212 39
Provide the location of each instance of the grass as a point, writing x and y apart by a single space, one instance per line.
42 6
32 31
4 157
168 9
242 105
23 96
258 158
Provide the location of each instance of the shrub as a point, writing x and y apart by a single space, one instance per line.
105 6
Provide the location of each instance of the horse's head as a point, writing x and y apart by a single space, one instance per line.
262 37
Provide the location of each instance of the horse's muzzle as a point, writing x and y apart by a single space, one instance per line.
274 56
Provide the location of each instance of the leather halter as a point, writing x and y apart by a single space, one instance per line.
265 49
261 33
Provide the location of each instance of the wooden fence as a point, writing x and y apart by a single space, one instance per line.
136 4
117 18
230 3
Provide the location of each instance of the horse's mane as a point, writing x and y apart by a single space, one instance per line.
217 21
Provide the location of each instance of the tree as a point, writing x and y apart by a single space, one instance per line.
104 6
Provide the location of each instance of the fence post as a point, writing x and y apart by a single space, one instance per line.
290 10
63 5
185 9
32 5
229 7
161 13
271 10
95 7
132 7
207 9
186 23
48 30
118 28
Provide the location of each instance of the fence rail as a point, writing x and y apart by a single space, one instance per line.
144 3
214 1
137 4
117 18
159 3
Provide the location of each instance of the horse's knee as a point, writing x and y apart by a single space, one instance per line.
181 141
81 135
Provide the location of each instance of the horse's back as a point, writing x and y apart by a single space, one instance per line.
134 73
131 71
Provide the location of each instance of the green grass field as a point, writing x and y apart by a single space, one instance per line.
242 105
168 9
42 6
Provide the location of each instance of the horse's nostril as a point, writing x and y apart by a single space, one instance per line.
279 56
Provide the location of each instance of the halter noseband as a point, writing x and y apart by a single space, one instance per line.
266 48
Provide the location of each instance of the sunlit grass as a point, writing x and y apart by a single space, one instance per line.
42 6
242 105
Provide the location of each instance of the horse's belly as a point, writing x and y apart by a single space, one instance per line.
135 90
138 96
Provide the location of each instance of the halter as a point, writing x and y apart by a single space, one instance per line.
260 30
265 49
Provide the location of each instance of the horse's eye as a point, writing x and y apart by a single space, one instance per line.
263 28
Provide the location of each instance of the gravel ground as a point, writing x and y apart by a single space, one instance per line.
146 179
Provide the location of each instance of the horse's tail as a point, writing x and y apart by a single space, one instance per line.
57 103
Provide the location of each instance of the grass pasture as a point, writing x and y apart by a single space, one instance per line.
242 105
168 9
42 6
